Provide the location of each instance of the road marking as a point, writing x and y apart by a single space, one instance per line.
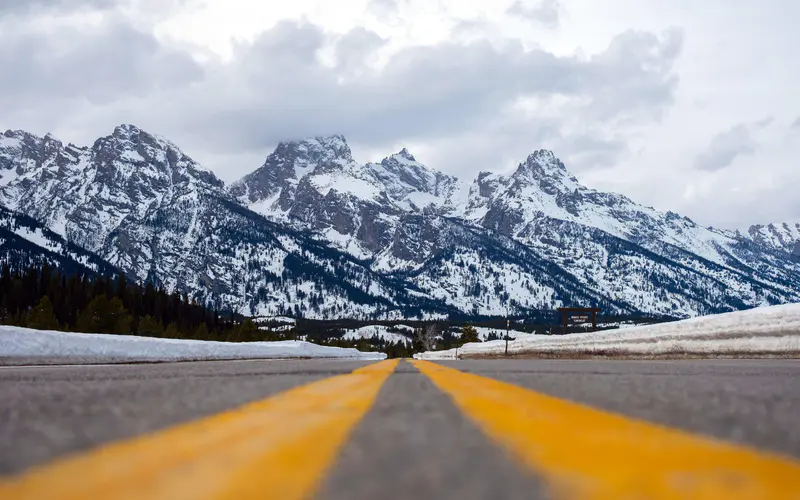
588 453
280 447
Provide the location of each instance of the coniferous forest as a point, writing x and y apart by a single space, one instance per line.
43 298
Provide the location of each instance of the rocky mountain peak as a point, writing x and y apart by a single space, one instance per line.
403 153
127 130
785 236
131 134
541 163
319 149
135 158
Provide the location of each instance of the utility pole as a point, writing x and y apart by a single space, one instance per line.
508 323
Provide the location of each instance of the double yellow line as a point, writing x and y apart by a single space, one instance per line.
283 447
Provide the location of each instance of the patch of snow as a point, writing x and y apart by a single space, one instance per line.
25 342
367 332
420 200
345 184
274 319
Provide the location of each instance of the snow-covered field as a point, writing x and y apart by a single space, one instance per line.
771 330
367 332
24 342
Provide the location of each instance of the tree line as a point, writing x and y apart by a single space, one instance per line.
43 298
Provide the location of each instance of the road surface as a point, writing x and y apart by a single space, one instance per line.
330 429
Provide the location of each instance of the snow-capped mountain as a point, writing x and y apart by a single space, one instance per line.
315 184
139 202
314 232
785 236
401 216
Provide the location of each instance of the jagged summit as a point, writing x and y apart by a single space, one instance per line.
783 236
403 153
126 129
316 149
542 163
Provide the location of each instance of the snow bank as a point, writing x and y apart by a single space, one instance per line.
24 342
771 330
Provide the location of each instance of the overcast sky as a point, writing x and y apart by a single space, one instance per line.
685 105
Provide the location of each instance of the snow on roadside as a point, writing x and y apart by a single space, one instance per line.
24 342
764 330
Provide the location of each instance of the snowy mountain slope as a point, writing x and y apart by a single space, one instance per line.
541 186
665 280
25 242
542 190
315 184
416 187
784 236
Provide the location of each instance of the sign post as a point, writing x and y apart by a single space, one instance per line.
508 323
579 315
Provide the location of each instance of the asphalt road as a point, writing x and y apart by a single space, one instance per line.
413 442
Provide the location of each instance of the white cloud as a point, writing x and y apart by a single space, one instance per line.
624 98
544 12
725 147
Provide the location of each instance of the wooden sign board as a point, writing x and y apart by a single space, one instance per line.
579 316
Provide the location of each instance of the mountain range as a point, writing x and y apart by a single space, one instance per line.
312 232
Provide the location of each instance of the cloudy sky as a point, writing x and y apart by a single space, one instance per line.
685 105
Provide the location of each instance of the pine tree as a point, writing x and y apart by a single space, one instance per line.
150 327
42 317
105 316
247 331
469 334
95 316
202 332
172 331
120 320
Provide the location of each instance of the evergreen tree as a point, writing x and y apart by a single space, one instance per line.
105 316
202 332
94 317
247 331
42 317
150 327
120 319
172 331
469 334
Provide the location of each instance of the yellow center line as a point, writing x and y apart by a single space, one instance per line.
280 447
588 453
